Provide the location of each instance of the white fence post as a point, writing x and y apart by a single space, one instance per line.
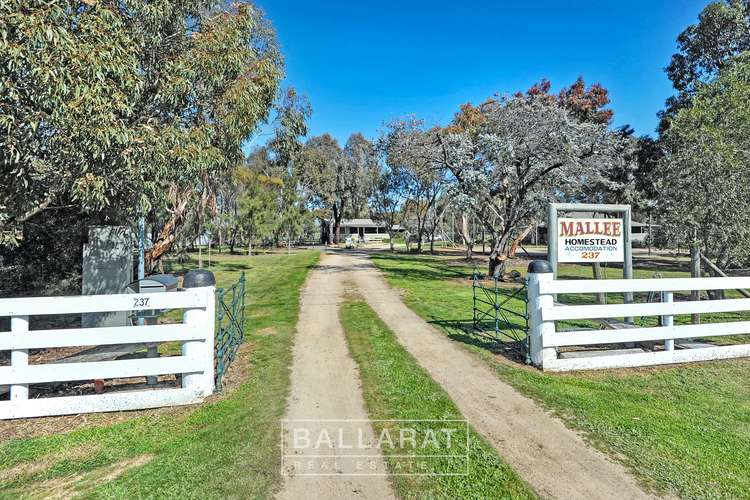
539 273
19 358
668 320
204 318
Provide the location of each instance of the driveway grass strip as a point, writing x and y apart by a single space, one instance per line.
395 387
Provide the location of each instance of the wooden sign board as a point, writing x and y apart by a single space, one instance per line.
590 240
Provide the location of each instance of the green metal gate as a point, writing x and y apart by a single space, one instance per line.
492 312
230 322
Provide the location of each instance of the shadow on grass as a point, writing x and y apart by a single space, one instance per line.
234 266
428 268
483 337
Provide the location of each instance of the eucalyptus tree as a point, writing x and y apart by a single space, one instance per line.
339 181
410 148
387 200
127 108
704 49
362 156
511 155
258 202
704 181
292 113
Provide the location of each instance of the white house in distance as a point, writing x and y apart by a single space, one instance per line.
365 229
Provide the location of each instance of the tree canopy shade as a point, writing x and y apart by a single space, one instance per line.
111 106
705 174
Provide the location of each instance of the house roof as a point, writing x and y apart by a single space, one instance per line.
366 223
361 223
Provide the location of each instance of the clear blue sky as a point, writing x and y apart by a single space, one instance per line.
365 62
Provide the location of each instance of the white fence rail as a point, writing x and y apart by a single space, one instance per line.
195 363
545 340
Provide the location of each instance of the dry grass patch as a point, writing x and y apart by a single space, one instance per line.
66 487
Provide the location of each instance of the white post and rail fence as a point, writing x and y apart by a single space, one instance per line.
195 364
547 344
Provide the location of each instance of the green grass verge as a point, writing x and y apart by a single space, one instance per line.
228 447
681 428
395 387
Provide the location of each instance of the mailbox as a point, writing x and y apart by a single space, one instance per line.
156 283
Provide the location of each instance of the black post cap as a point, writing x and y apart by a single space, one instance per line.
539 266
198 278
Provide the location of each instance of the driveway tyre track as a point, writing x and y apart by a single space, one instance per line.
325 385
553 459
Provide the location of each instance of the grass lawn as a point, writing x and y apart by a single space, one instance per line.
684 429
227 447
395 387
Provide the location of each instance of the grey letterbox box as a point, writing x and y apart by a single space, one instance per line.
156 283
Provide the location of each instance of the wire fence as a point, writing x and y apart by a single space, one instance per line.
230 319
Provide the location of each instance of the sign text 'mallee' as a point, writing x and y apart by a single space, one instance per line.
589 240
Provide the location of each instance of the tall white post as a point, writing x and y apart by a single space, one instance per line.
540 274
627 266
204 319
668 320
19 358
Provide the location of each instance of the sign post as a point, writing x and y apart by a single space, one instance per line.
591 239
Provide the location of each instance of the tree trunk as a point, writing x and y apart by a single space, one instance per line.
232 241
167 235
466 236
496 264
337 223
517 241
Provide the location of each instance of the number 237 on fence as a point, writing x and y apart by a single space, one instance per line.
589 240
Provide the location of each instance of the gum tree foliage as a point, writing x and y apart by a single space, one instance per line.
409 149
616 183
339 180
259 200
388 198
126 108
270 201
705 173
722 32
286 146
511 155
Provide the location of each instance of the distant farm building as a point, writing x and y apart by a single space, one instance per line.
364 229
